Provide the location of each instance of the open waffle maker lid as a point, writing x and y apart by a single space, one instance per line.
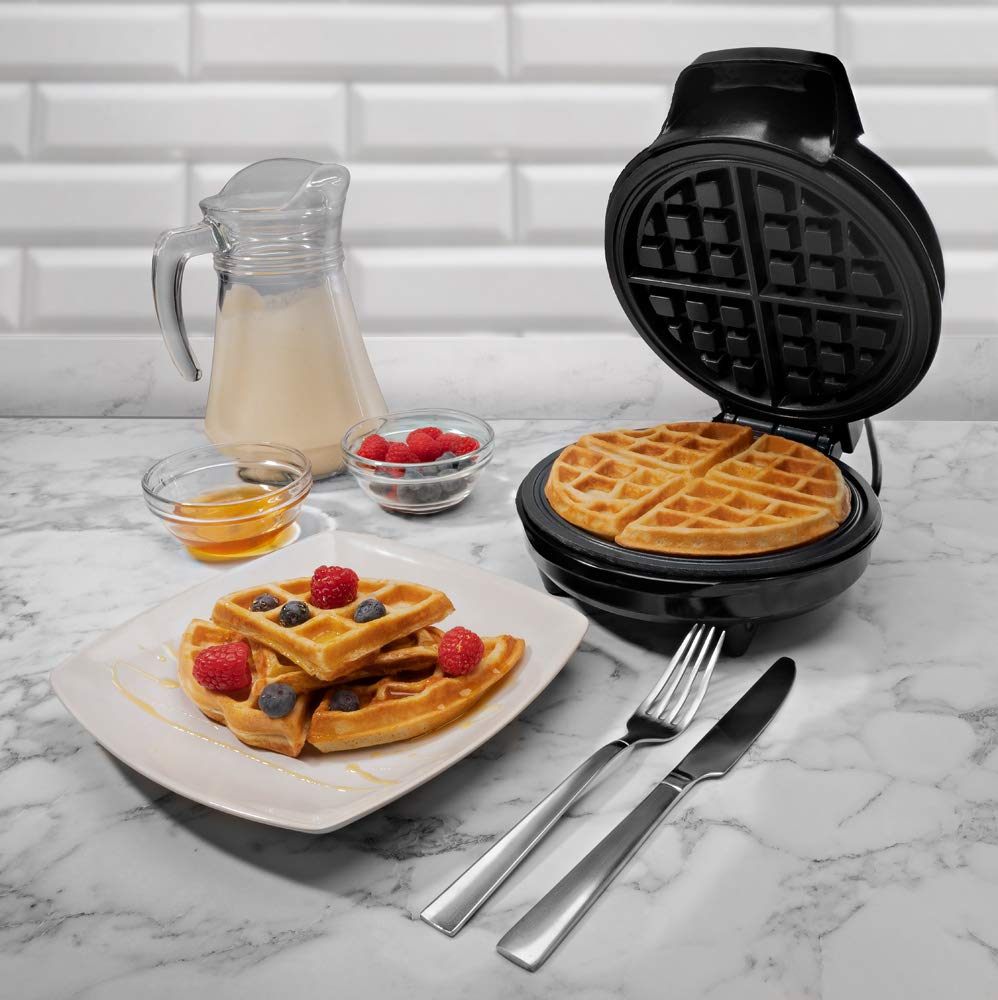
771 259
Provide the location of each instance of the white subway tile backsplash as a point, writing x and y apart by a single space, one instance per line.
499 120
10 289
429 203
357 40
931 124
106 202
962 201
971 300
652 41
89 41
563 203
108 289
15 106
409 203
483 138
143 121
492 288
945 41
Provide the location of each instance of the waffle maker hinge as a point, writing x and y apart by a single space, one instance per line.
843 438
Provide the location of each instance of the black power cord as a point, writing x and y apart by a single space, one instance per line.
875 470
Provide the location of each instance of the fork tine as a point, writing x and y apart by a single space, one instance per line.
670 708
689 708
653 707
674 667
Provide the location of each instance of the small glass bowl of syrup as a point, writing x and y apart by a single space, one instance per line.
230 501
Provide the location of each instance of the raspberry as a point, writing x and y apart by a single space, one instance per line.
374 447
446 441
457 444
424 447
223 668
434 432
333 586
459 652
399 452
465 445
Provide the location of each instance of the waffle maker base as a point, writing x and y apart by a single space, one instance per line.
739 593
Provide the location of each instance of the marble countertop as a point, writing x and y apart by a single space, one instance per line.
852 854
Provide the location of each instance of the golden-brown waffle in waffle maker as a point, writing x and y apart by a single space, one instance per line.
330 645
732 497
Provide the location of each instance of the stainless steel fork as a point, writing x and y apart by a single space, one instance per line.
662 716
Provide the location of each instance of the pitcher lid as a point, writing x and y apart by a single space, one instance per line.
282 187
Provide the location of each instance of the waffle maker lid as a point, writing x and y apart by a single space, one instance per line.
771 259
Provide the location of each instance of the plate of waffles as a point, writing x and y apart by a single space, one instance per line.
307 700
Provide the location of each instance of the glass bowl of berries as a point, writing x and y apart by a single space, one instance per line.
418 461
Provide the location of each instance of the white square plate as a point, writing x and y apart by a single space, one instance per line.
122 689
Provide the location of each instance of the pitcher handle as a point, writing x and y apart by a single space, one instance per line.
173 250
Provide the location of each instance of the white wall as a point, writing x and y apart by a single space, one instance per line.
483 139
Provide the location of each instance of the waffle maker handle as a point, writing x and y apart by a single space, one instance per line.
799 100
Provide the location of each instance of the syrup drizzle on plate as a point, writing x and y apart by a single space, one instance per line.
361 773
156 714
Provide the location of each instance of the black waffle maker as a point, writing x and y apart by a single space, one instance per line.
791 274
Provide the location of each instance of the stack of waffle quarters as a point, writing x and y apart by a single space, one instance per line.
698 489
389 664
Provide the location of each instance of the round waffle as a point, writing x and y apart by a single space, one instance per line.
698 489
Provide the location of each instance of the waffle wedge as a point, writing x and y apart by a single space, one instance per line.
603 493
240 711
685 449
697 489
786 470
331 645
717 519
394 708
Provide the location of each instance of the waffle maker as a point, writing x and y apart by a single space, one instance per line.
791 274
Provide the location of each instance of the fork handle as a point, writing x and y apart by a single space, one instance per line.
531 941
455 906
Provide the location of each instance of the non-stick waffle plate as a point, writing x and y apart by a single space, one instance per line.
790 286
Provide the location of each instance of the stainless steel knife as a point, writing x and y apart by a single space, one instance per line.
534 938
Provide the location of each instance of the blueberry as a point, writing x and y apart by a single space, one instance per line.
344 701
264 602
276 700
452 487
409 492
420 488
294 613
432 492
369 610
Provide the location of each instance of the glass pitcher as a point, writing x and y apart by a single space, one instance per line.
289 363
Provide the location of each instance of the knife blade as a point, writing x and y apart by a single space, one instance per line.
531 941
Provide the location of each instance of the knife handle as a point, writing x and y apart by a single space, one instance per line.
531 941
459 902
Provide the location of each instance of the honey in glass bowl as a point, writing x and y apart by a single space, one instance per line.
231 501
